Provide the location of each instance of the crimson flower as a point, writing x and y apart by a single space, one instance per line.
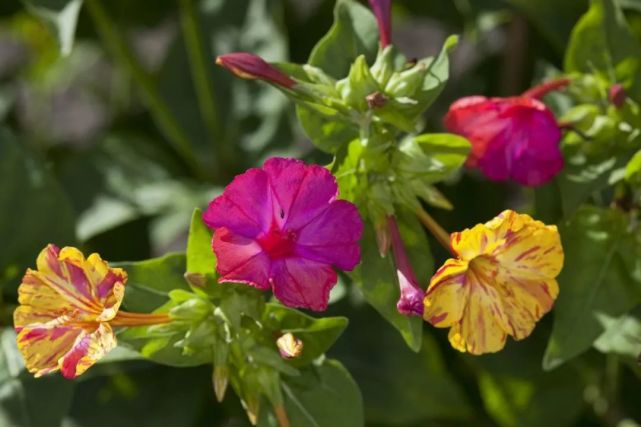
251 67
512 138
383 12
281 227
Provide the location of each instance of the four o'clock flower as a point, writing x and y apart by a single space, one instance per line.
383 12
501 283
68 308
410 302
252 67
282 227
512 138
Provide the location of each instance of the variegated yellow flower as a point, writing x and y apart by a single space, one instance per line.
501 283
67 309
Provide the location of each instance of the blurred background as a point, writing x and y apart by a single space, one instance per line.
111 145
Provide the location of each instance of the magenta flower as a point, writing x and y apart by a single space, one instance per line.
617 95
251 67
512 138
383 12
281 227
410 302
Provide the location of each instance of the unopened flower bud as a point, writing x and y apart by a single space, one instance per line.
251 67
376 100
617 95
289 346
220 380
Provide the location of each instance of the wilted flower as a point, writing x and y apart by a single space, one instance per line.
383 12
617 95
512 138
281 227
289 346
67 309
410 302
251 67
501 283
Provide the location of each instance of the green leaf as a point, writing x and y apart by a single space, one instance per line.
377 279
35 211
353 33
317 335
26 401
596 280
327 133
200 255
633 169
323 395
419 86
150 281
603 42
61 16
431 157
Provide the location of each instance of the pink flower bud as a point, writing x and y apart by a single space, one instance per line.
411 301
617 95
251 67
383 11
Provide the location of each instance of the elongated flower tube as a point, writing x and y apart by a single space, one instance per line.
501 283
410 302
252 67
68 308
514 138
282 227
383 11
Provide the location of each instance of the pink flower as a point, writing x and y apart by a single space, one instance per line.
383 11
281 227
251 67
411 301
512 138
617 95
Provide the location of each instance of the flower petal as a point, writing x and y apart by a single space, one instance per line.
332 237
88 348
245 207
479 331
241 259
303 191
447 294
63 271
43 345
61 345
302 283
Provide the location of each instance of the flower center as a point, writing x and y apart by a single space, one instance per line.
485 267
278 243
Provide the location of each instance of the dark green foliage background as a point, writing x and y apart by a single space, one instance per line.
88 157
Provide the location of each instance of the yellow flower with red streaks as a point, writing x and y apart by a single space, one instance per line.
501 283
68 308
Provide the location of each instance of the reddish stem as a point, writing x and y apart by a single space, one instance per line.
539 91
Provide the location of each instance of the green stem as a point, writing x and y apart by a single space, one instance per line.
201 78
435 228
160 111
